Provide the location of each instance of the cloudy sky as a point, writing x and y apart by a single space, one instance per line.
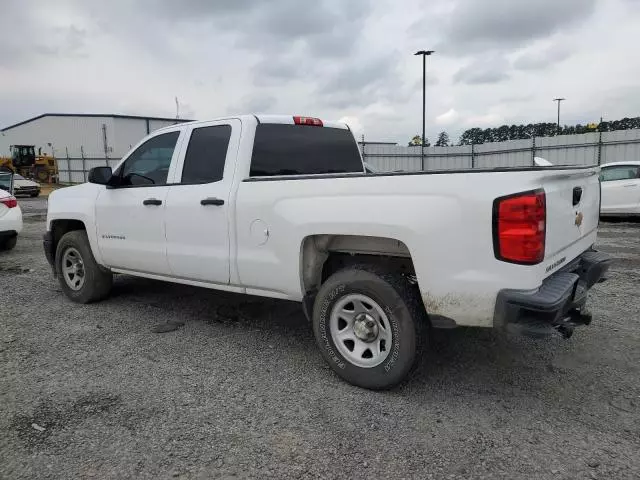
496 61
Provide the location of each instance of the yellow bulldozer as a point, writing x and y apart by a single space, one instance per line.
24 161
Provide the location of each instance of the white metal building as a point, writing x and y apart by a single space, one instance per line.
80 141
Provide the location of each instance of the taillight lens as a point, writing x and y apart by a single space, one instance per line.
9 202
313 122
519 227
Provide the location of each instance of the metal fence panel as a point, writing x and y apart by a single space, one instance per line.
514 153
587 149
569 149
621 146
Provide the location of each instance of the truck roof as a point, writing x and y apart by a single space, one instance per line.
630 162
282 119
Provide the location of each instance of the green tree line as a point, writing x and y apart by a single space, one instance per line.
520 132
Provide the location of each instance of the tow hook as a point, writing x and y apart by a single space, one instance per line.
565 330
580 317
574 318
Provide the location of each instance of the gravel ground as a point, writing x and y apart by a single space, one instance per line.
241 391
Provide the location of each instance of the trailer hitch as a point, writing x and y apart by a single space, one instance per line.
574 318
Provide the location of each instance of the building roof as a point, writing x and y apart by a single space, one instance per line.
111 115
376 143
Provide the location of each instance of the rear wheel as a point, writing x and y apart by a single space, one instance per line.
79 275
370 325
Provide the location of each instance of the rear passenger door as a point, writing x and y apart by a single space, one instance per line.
198 210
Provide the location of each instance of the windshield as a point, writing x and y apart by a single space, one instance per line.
5 181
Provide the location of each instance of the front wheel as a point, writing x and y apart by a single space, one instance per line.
370 326
80 276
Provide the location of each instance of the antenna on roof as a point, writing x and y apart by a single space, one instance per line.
177 109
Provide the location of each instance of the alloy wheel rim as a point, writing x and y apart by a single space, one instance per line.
73 269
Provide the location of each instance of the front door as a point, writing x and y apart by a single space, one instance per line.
198 209
130 216
620 189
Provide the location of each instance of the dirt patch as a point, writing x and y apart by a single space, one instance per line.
14 269
35 429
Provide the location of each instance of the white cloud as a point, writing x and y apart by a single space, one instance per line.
448 118
328 58
539 59
486 120
354 124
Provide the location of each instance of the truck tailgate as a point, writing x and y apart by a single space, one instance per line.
573 209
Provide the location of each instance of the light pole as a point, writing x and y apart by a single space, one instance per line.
424 54
559 100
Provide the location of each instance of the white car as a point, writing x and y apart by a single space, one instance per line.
10 214
24 186
620 188
282 207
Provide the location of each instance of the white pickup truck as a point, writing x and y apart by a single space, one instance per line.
282 207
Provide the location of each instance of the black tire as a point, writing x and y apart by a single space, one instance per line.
400 301
98 280
41 174
9 243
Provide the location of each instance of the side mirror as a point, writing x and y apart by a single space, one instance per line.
100 175
6 179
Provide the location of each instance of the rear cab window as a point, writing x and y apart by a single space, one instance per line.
286 149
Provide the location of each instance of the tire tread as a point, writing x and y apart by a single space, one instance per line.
408 294
101 279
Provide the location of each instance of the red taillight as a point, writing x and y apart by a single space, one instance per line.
314 122
519 225
9 202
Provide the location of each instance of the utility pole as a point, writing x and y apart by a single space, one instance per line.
425 54
559 100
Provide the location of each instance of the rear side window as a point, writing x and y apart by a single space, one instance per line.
281 149
206 154
619 172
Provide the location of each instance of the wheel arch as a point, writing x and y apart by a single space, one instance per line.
58 228
324 254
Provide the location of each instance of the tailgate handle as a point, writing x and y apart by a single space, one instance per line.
577 195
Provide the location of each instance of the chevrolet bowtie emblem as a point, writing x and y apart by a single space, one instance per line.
579 217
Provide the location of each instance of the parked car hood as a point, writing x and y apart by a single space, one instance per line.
24 183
